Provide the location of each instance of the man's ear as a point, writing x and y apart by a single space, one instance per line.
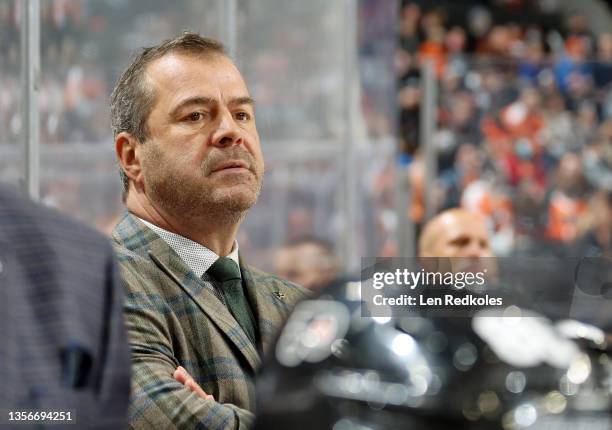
126 146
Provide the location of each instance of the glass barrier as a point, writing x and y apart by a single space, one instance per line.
85 45
326 119
12 168
525 144
291 54
295 57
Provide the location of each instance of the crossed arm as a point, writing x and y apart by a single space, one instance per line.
164 395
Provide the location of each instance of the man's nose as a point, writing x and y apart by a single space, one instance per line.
473 250
227 132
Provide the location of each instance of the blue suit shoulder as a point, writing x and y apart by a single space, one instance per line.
23 219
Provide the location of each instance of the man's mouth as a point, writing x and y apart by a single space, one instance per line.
231 166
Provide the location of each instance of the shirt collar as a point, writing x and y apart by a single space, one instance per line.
197 257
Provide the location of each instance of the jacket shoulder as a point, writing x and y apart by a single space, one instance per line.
294 291
139 274
28 219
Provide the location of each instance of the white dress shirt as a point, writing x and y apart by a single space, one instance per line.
197 257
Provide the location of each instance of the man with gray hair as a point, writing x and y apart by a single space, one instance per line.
198 318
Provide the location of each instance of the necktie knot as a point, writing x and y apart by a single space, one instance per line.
224 269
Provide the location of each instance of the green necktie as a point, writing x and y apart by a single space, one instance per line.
227 273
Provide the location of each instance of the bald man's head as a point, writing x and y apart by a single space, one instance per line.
455 233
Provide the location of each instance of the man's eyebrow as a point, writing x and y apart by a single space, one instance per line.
237 101
208 101
197 100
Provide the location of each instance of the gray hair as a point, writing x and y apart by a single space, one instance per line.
132 98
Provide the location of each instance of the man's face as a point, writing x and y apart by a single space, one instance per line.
203 155
307 265
462 235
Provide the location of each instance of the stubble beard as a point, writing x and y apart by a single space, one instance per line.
200 199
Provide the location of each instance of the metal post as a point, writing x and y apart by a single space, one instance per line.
30 74
405 226
227 19
349 64
427 130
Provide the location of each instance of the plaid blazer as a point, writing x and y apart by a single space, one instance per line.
64 345
174 319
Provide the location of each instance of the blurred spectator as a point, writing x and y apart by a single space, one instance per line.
462 118
479 21
578 26
523 133
597 239
573 67
597 159
432 47
586 122
559 133
566 202
467 169
492 89
309 262
531 63
494 204
409 115
602 68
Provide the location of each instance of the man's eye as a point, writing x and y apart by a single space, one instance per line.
243 116
195 116
461 241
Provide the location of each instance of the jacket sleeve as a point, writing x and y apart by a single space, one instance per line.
114 372
158 400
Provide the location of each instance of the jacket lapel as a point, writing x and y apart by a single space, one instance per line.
269 305
173 266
